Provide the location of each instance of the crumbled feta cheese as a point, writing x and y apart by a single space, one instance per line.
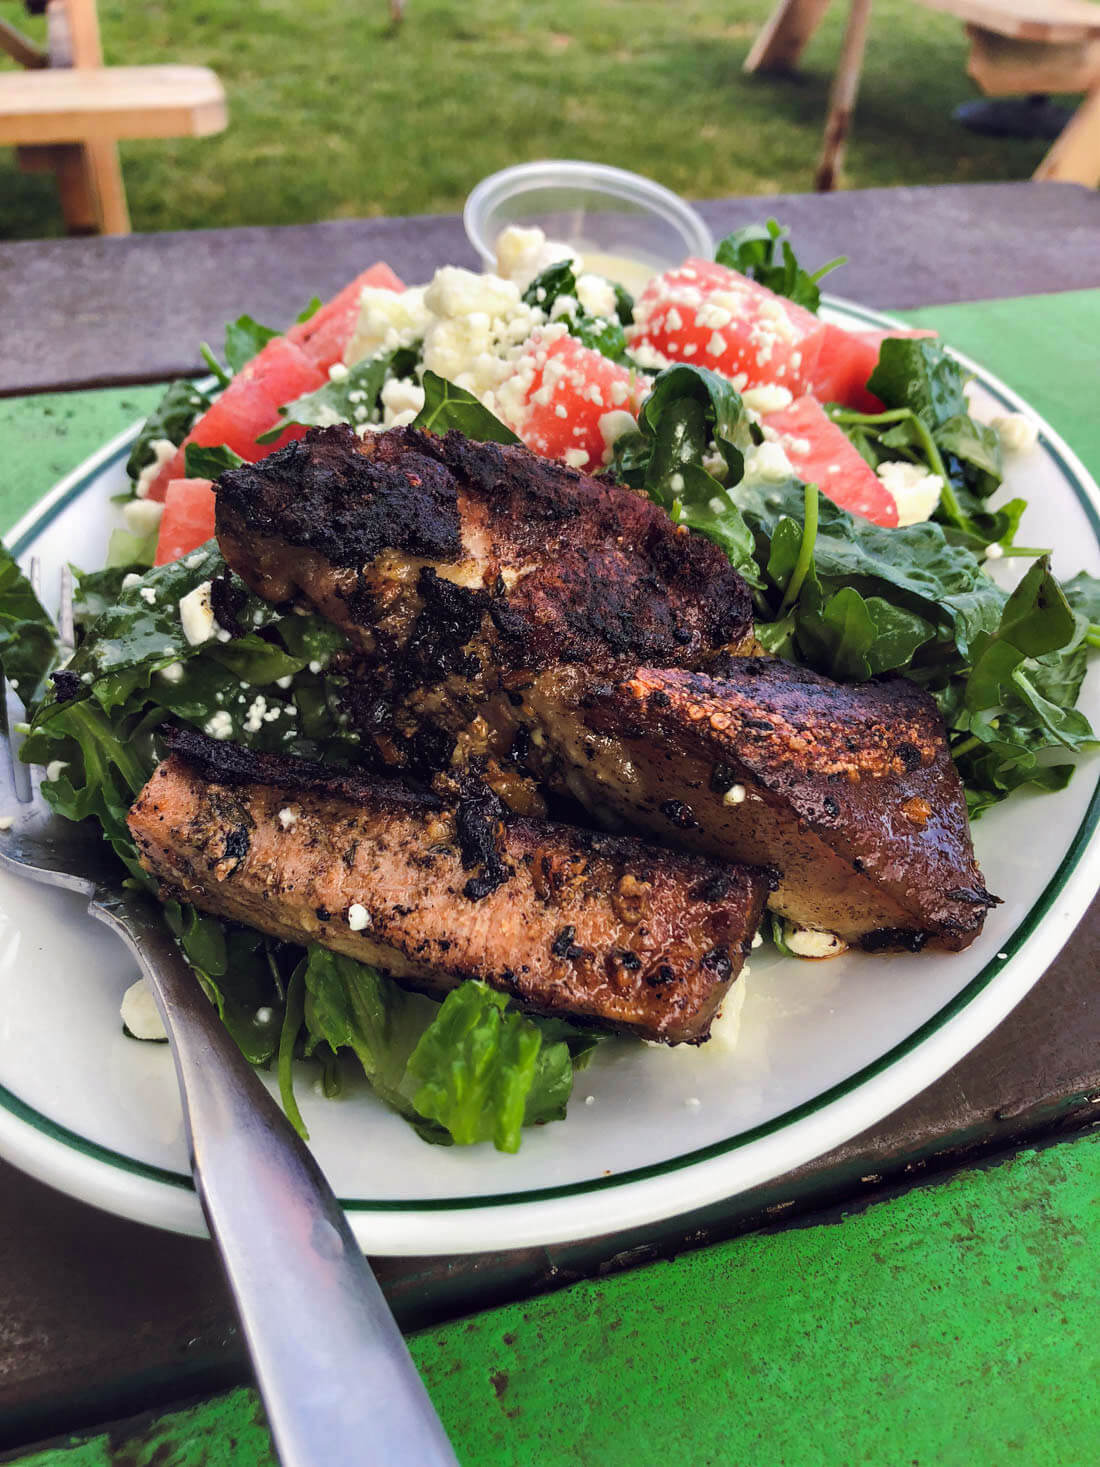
55 769
524 253
401 396
173 673
140 1014
255 716
6 822
596 295
735 795
767 463
288 817
725 1030
576 458
1017 433
264 1015
163 450
806 943
148 595
590 1100
913 489
197 615
130 579
994 551
315 667
358 917
220 726
142 516
693 1102
614 425
388 319
768 397
338 371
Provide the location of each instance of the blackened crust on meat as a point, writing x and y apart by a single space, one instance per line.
320 493
535 564
479 825
220 762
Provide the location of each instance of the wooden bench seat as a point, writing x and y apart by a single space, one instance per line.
66 105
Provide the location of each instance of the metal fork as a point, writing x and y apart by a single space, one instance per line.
336 1378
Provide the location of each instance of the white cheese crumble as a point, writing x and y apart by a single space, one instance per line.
254 718
173 673
197 615
914 490
576 458
6 822
725 1031
388 319
288 817
358 917
140 1014
338 371
596 295
55 769
402 400
994 551
220 725
142 516
1017 433
735 795
163 450
148 595
524 253
768 397
767 463
130 579
263 1015
806 943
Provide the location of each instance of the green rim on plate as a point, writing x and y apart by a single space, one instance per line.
37 521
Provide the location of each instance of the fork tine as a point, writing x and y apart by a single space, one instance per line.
65 625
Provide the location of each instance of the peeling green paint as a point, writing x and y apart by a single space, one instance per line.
952 1326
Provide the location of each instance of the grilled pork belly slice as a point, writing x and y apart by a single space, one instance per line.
604 930
849 790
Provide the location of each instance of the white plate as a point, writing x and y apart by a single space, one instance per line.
827 1049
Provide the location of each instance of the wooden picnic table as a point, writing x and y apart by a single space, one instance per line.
104 1317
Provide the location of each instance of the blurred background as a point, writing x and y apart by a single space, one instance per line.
337 109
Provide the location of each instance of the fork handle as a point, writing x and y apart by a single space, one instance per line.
335 1375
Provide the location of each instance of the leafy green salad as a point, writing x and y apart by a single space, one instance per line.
833 591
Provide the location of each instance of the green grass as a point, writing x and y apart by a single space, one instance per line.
334 112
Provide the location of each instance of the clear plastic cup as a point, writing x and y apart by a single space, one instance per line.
609 216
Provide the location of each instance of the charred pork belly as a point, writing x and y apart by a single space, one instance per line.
603 930
552 631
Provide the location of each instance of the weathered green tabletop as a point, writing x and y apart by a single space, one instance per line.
950 1324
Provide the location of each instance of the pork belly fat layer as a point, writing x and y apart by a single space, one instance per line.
447 558
849 790
601 930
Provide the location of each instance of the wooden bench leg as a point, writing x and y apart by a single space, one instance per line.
1075 155
783 39
101 157
842 96
89 184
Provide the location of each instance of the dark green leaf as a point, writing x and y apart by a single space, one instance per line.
919 375
763 253
171 419
244 339
28 641
447 406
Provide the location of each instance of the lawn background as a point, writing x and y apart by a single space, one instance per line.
336 112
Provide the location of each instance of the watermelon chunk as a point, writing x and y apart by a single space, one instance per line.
711 316
576 401
846 361
327 332
820 454
287 367
188 519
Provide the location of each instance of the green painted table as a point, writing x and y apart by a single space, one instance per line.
950 1324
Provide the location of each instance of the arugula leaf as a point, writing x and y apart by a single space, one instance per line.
28 640
349 399
309 310
244 339
171 419
1083 594
763 253
447 406
210 463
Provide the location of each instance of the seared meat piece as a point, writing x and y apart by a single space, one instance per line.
514 617
604 930
848 790
445 559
